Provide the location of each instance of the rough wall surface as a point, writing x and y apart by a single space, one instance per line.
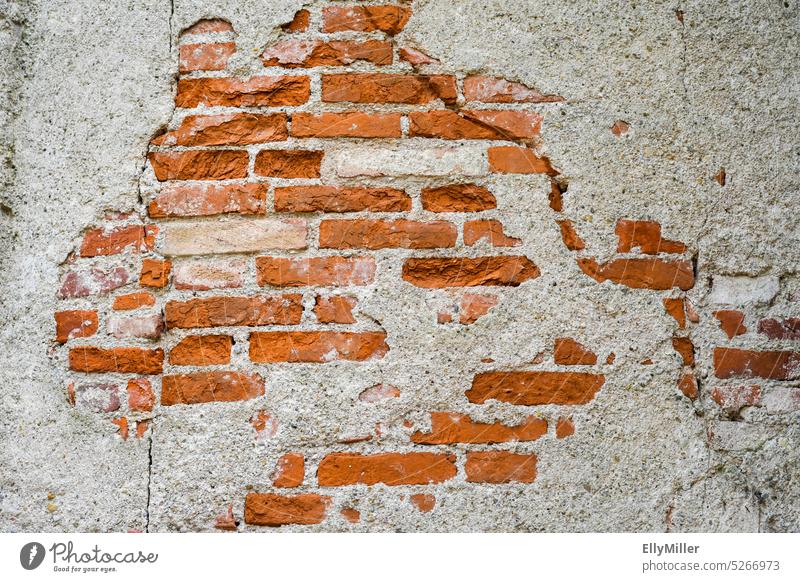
491 266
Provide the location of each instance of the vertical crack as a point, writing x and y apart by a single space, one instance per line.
171 14
149 478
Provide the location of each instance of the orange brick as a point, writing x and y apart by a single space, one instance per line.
333 199
388 19
226 129
388 88
199 165
234 311
458 198
500 467
316 346
263 91
475 124
469 272
120 360
205 56
290 471
275 510
326 271
335 309
568 352
381 234
72 324
515 160
288 163
133 301
451 427
155 273
491 231
202 350
178 200
535 388
101 242
217 386
295 53
644 273
347 124
338 469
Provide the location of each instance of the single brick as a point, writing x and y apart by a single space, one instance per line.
217 386
202 350
234 236
290 471
644 235
254 92
770 365
388 88
199 199
568 352
350 514
96 397
644 273
570 236
685 349
474 306
535 388
234 311
211 56
199 165
388 19
77 323
474 124
451 427
202 275
500 467
469 272
324 271
133 301
779 329
382 234
92 281
141 397
490 230
334 309
294 53
275 510
101 242
155 273
458 198
517 160
338 469
226 129
121 360
495 90
288 163
346 124
346 199
316 346
147 326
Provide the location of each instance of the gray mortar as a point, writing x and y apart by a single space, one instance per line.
89 83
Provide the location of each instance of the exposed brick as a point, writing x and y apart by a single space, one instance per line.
780 329
568 352
205 56
335 309
688 385
489 230
92 281
382 234
202 350
147 326
122 423
458 198
199 165
379 392
423 501
141 397
316 346
295 53
535 388
72 324
264 424
620 128
674 306
644 273
645 236
275 510
350 514
451 427
346 199
133 301
500 467
234 236
206 26
290 470
388 88
685 349
141 427
226 129
299 23
338 469
570 236
97 397
217 386
210 274
316 271
770 365
564 427
415 57
475 124
346 124
516 160
474 306
288 163
494 90
469 272
234 311
178 200
254 92
556 195
405 160
101 242
121 360
388 19
734 398
155 273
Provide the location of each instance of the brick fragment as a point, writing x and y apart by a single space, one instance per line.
299 23
96 397
458 198
263 91
564 427
101 242
489 230
306 53
770 365
388 88
423 501
155 273
500 467
517 160
141 397
779 329
495 90
644 273
226 129
205 56
475 124
335 309
644 235
209 199
674 306
570 236
685 349
388 19
473 306
569 352
734 398
290 471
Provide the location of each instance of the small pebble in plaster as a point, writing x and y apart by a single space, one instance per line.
620 128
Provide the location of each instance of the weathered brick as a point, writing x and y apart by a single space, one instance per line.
500 467
101 242
290 471
568 352
458 198
234 236
202 275
141 397
379 392
570 236
226 129
346 124
644 273
121 360
770 365
288 163
208 25
148 326
451 427
675 307
388 88
325 271
685 349
469 272
346 199
263 91
564 427
517 160
474 306
216 386
294 53
316 346
199 165
275 510
178 200
424 502
491 231
234 311
133 301
475 124
734 398
334 309
97 397
202 350
688 385
205 56
495 90
741 290
155 273
350 162
415 57
780 329
299 23
382 234
350 514
644 235
92 281
338 469
388 19
535 388
77 323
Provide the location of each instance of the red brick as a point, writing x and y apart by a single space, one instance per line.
423 502
179 200
350 514
202 350
570 236
489 230
290 471
388 19
141 397
388 88
120 360
770 365
734 398
688 385
275 510
294 53
564 428
346 124
299 23
415 57
288 163
685 349
382 234
217 386
674 306
780 329
205 56
234 311
133 301
517 160
451 427
72 324
322 271
226 129
92 281
469 272
335 309
122 423
644 273
316 346
644 235
458 198
568 352
199 165
495 90
474 306
338 469
500 467
155 273
254 92
101 242
346 199
535 388
475 124
731 321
